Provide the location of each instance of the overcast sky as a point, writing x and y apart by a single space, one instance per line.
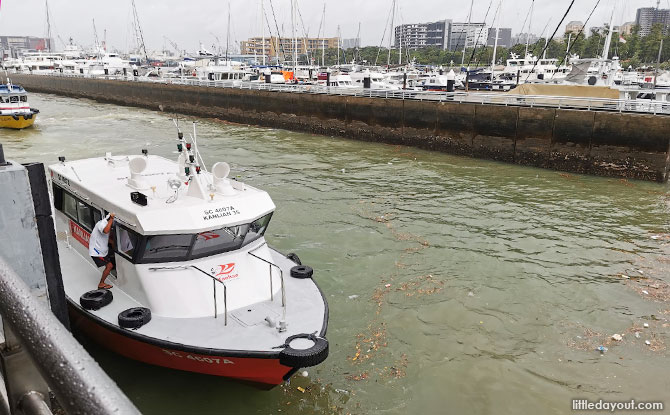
189 22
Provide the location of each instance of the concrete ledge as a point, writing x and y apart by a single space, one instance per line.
635 146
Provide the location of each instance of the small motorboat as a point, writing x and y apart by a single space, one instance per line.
15 112
196 286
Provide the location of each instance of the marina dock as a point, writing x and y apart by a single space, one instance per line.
597 140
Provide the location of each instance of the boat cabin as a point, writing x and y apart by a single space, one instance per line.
172 225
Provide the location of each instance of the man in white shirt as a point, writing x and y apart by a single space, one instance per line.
98 248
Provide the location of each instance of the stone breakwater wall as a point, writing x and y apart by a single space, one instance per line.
635 146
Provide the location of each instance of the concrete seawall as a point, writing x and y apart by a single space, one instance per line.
635 146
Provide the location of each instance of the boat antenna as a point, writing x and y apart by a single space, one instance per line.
551 38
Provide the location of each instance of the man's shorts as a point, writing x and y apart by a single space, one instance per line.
103 261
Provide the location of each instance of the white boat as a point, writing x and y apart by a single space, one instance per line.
197 288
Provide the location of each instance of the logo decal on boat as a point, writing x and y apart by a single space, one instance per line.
225 272
79 233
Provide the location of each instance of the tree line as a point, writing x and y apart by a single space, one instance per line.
633 51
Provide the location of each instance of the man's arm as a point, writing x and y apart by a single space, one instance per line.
110 221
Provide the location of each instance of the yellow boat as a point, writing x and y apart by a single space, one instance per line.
15 112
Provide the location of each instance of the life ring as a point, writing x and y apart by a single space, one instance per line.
302 271
293 257
134 318
95 299
303 350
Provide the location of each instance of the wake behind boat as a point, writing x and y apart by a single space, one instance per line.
196 286
15 112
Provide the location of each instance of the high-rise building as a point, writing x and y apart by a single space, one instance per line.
467 35
574 27
523 38
504 37
13 46
421 35
626 28
284 47
351 43
647 17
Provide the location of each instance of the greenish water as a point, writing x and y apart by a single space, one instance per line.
503 279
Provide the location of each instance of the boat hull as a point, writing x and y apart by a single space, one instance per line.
21 122
260 368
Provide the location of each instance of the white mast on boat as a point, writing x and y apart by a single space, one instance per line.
295 40
338 45
263 30
323 36
495 42
465 41
227 37
48 39
392 33
138 32
530 21
608 40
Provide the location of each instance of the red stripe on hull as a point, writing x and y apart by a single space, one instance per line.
258 370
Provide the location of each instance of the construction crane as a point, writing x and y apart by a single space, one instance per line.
174 45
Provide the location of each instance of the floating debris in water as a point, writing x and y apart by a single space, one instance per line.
617 337
602 349
646 325
647 342
353 297
305 373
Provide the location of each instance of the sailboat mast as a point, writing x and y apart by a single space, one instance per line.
228 34
465 41
530 21
323 36
263 29
608 40
48 39
495 42
338 45
391 36
295 40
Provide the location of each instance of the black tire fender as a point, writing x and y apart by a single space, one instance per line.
302 271
134 318
16 117
293 257
95 299
304 357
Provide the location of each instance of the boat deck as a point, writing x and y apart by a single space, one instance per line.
247 330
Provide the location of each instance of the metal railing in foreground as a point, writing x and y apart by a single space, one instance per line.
80 385
481 98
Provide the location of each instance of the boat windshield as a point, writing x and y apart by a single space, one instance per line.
181 247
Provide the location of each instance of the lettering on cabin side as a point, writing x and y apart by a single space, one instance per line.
219 213
79 233
62 179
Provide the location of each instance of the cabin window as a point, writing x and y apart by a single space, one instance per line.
160 248
126 242
13 100
257 229
85 215
220 240
70 205
82 213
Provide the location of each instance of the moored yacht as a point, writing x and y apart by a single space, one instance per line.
196 286
15 111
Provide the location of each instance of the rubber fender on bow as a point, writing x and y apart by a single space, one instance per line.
302 271
302 354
